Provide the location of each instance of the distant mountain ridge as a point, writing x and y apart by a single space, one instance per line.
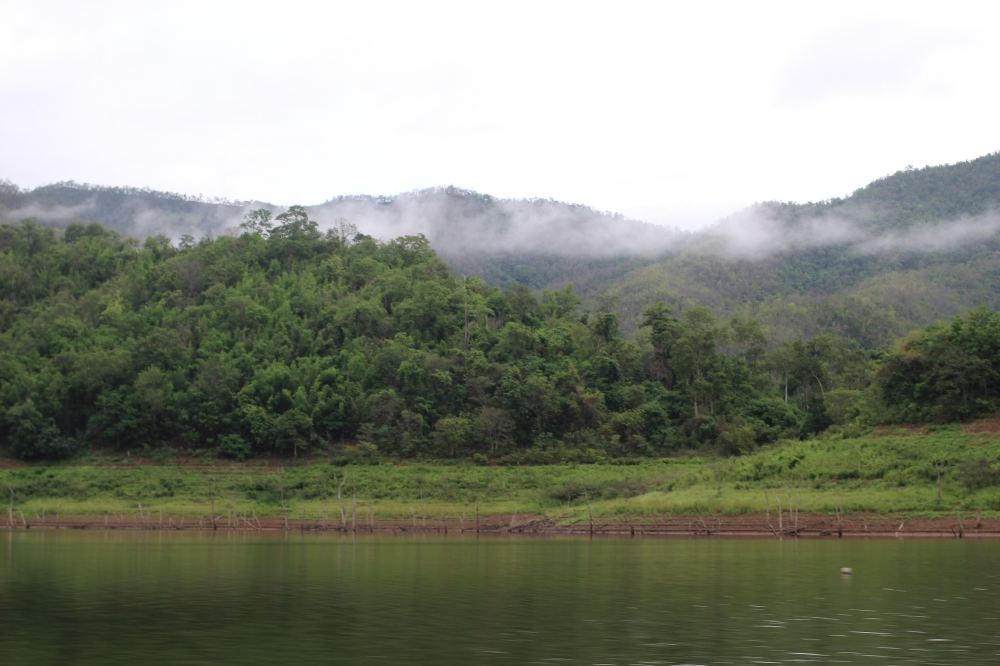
454 220
130 211
898 253
459 221
537 242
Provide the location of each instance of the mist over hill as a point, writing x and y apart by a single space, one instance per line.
927 210
458 221
537 242
900 252
932 209
454 220
904 251
132 212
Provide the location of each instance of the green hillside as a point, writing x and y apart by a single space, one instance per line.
915 247
905 251
283 340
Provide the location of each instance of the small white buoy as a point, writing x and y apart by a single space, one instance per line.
846 571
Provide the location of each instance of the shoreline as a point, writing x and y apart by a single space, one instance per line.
746 525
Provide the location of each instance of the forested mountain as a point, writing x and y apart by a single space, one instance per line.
284 339
536 242
902 252
909 249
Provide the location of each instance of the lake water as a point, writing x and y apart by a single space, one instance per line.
191 598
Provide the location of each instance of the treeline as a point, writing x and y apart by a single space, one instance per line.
948 372
285 339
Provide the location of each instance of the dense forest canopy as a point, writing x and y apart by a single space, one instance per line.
283 339
286 339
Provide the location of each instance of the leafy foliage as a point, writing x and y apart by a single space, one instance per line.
285 340
947 372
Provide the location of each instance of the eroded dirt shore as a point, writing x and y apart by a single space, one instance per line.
747 525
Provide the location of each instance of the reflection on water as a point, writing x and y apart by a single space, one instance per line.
166 598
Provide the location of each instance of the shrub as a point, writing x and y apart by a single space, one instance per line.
977 474
233 447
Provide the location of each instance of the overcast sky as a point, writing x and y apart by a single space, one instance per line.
672 112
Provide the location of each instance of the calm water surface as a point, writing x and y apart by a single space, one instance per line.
158 598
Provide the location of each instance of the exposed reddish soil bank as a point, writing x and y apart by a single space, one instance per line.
750 525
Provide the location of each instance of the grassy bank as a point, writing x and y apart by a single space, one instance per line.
920 473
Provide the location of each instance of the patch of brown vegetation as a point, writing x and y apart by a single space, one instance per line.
989 426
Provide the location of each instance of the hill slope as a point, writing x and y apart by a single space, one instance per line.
279 342
906 250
